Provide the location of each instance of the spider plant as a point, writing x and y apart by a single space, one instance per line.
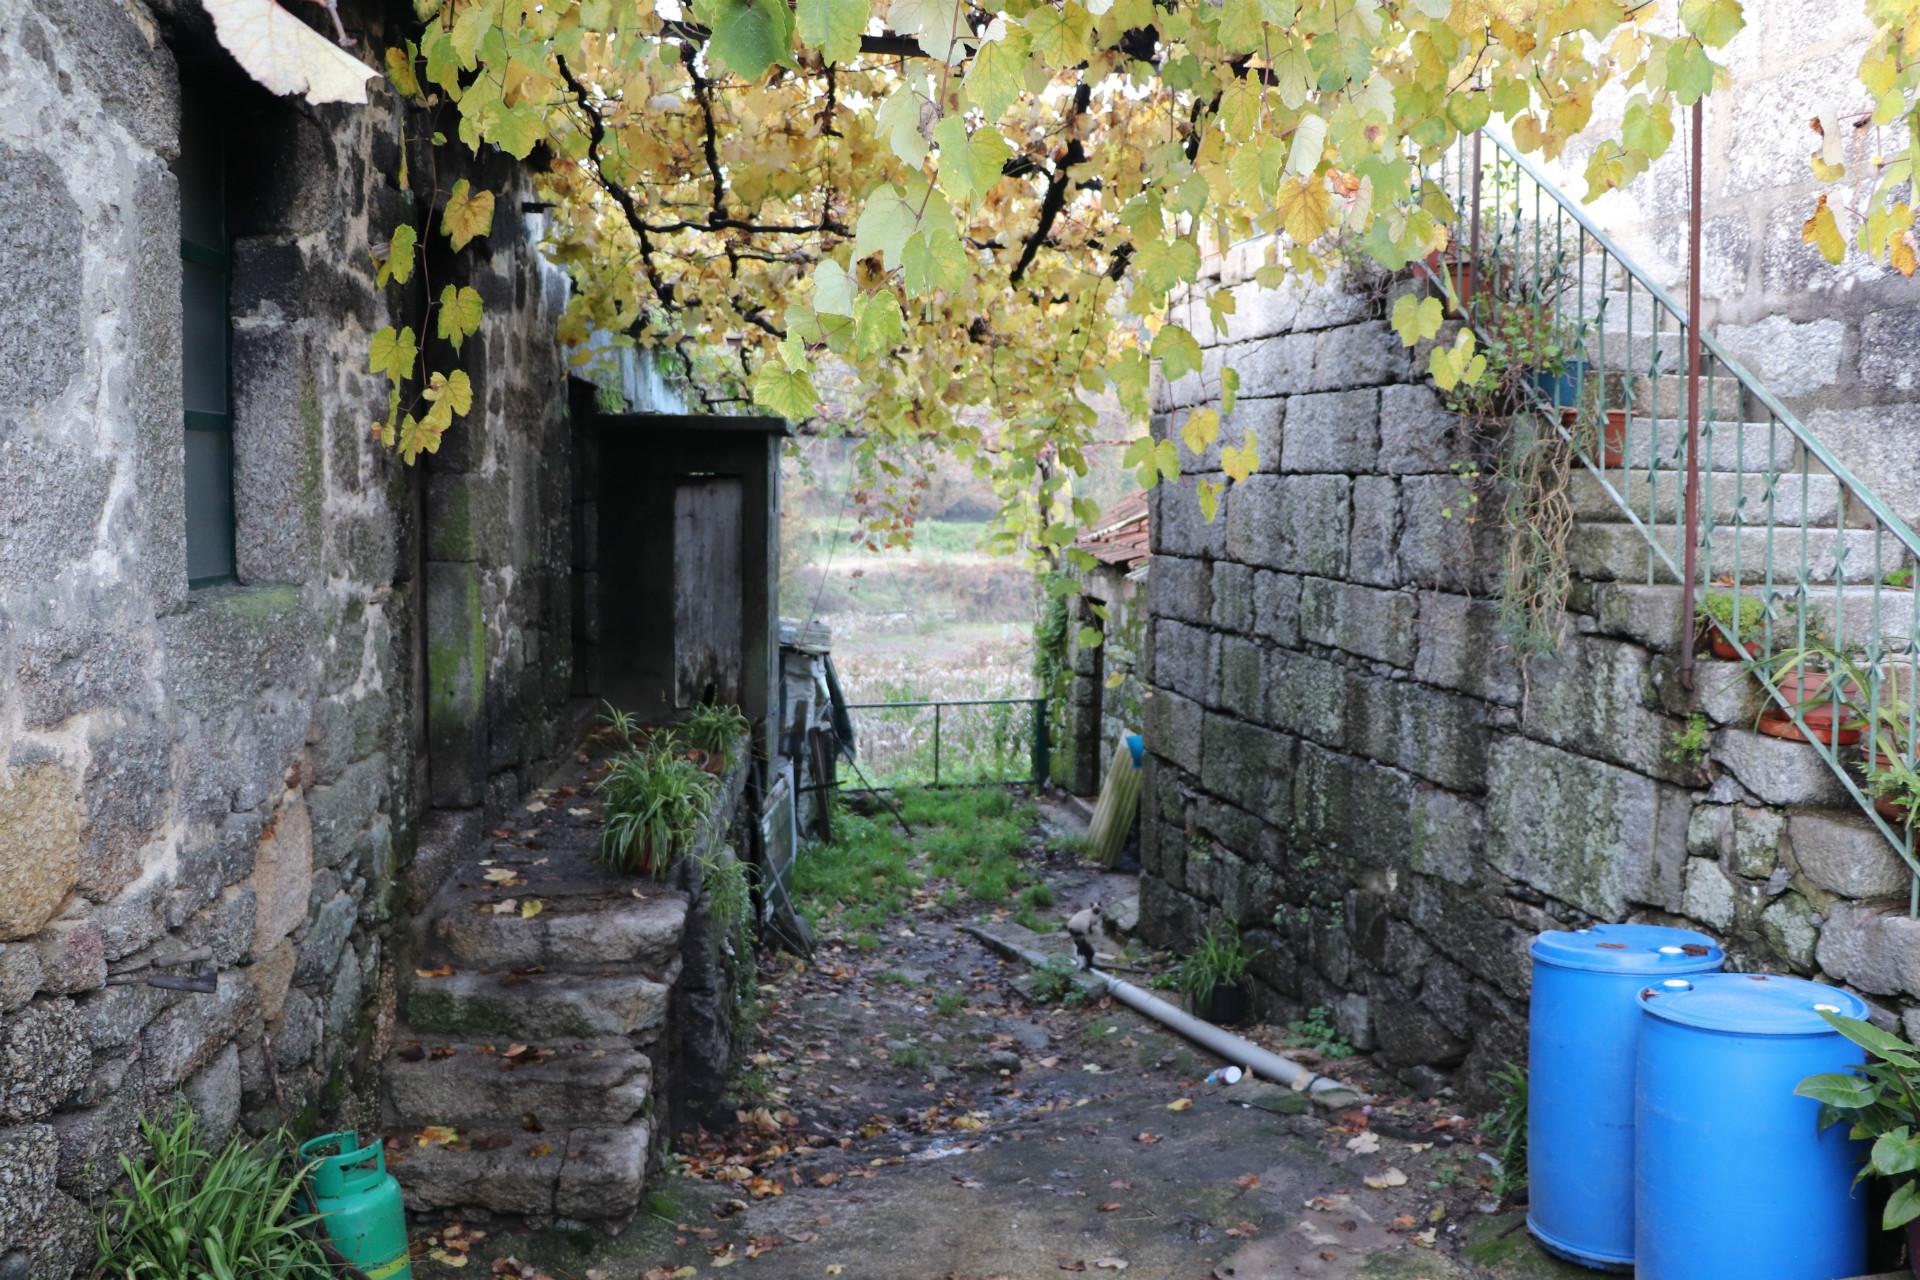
189 1213
1823 686
1210 975
717 730
1891 776
655 803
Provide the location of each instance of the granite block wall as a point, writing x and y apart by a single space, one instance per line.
246 769
1347 762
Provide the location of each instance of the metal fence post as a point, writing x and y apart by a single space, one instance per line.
1042 747
936 744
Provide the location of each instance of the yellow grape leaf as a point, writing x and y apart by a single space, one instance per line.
1177 351
1209 494
1239 462
456 388
531 908
1200 429
1305 207
1440 365
436 1135
1180 1104
417 436
460 313
1823 233
397 266
1417 318
1900 253
285 54
468 215
392 353
400 72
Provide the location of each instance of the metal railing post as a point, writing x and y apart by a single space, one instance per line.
1042 744
936 744
1473 250
1692 533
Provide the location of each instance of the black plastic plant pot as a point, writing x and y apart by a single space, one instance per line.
1226 1006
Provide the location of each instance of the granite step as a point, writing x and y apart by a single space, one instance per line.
432 1080
581 925
530 1007
1724 496
1751 448
594 1172
1620 553
1651 614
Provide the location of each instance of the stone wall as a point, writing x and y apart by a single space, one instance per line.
1347 762
1105 688
245 768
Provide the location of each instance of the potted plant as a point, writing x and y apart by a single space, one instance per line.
1735 624
1877 1100
715 732
656 800
1211 976
1823 688
1892 768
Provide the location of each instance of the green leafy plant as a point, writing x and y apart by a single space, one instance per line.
1506 1125
1743 619
1688 746
189 1214
1901 578
1878 1102
1218 959
655 803
1054 983
1891 776
716 730
1317 1032
948 1003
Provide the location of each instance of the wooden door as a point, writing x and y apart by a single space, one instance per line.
709 589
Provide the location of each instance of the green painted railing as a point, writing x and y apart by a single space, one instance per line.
1805 575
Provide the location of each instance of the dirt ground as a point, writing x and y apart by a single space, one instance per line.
912 1112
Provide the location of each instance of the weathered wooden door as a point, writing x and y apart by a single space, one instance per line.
709 585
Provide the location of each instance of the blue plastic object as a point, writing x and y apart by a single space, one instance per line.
1733 1176
1562 390
1580 1052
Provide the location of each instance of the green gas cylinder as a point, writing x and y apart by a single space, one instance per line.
359 1204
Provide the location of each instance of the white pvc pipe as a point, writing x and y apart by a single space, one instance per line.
1236 1050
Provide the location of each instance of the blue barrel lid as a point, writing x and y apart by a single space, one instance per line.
1757 1004
1629 948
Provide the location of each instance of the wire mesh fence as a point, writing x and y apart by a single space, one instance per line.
947 742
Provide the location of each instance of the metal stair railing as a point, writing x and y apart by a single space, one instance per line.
1786 599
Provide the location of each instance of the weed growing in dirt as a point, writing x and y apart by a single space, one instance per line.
893 978
1506 1126
1316 1031
1052 983
910 1057
1027 918
948 1003
1037 896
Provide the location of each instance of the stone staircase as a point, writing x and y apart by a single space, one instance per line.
527 1067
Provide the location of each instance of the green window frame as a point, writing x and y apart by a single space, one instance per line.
206 279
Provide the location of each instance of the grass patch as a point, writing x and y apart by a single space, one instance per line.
948 1003
971 838
910 1057
893 978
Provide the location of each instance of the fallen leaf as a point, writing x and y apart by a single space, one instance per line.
1110 1206
1386 1178
1148 1138
447 1259
1364 1144
1247 1181
1109 1264
500 875
540 1150
530 908
1182 1104
506 907
834 1269
436 1135
441 971
1243 1230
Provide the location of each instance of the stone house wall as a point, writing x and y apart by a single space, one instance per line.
250 768
1346 762
1836 344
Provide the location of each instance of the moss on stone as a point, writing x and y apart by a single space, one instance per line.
260 605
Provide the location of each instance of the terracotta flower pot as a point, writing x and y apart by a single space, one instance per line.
1825 721
1891 810
1724 650
1473 284
1613 443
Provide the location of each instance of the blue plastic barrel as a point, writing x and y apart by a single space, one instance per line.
1580 1053
1733 1174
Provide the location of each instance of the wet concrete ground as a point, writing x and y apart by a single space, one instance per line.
911 1113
